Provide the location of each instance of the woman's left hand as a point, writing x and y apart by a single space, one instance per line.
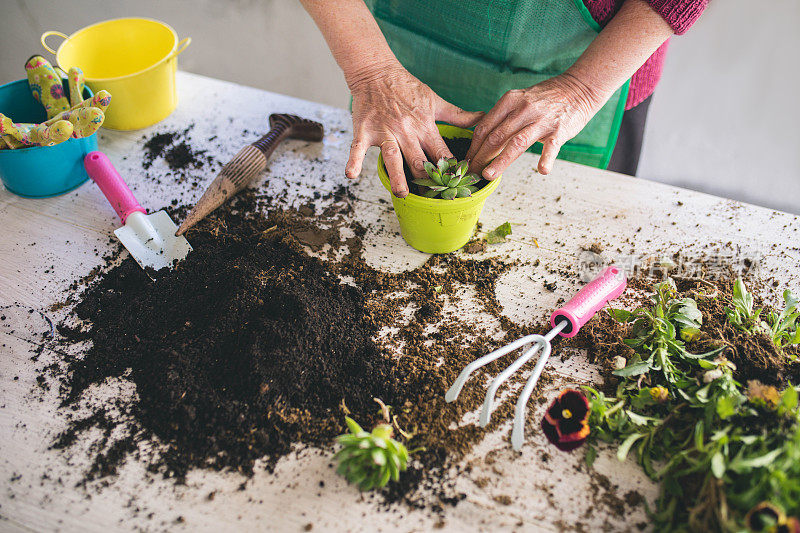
552 112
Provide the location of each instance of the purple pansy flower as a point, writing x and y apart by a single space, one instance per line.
566 422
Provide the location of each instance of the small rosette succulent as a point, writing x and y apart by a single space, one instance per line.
370 460
448 179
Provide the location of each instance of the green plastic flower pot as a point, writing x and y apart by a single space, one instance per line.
433 225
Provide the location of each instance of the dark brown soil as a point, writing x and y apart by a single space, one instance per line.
235 350
458 146
155 146
181 156
250 345
176 151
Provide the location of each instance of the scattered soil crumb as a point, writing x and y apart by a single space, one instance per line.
475 246
633 498
595 248
503 499
174 147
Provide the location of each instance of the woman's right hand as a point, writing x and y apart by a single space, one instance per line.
396 112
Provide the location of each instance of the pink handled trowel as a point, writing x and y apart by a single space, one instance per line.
566 322
150 239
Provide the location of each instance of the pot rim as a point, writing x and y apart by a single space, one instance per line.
167 57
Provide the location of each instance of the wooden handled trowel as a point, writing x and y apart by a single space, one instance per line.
249 163
151 238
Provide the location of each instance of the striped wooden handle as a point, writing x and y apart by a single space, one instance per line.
249 163
245 166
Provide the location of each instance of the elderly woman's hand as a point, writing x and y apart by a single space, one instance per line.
398 113
552 112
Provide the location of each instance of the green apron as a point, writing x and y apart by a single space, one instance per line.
471 52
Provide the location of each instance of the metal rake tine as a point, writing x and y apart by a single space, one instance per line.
518 433
488 403
566 322
454 390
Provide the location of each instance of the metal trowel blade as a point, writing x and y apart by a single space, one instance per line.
151 240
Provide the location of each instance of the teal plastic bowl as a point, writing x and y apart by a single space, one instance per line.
40 171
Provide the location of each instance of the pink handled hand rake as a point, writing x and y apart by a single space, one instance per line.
565 322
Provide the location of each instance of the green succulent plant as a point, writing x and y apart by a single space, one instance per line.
370 460
448 179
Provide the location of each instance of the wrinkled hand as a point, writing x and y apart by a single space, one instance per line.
397 112
552 112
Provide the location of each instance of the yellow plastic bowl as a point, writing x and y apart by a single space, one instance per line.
134 59
433 225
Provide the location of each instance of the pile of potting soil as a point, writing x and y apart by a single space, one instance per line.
250 346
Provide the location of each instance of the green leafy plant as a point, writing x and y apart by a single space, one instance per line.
370 459
783 327
727 456
741 314
659 333
448 179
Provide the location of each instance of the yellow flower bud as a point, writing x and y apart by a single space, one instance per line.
659 394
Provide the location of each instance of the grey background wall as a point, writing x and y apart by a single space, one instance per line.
725 118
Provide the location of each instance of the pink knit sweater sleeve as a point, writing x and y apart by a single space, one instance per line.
679 14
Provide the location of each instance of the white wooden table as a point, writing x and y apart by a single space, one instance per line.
46 244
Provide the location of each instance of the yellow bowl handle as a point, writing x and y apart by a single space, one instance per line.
47 34
182 45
